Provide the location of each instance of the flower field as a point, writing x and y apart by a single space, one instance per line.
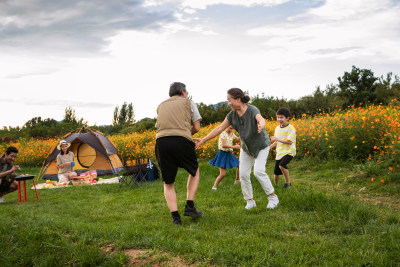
363 134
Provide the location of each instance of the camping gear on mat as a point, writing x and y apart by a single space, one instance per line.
139 170
92 150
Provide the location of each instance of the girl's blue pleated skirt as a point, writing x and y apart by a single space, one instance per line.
225 160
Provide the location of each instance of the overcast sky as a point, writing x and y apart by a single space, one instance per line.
95 55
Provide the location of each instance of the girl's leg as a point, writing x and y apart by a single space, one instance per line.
221 176
237 179
245 164
259 171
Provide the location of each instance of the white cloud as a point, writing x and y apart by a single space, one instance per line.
196 4
337 30
134 57
203 4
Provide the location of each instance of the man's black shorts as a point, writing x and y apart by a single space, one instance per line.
5 186
282 162
173 152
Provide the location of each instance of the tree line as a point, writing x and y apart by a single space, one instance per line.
359 87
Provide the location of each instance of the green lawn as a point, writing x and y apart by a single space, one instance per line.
331 216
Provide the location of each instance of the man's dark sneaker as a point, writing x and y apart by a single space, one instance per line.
287 185
192 212
177 220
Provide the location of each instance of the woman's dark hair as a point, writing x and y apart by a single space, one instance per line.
62 152
176 88
11 149
284 111
236 93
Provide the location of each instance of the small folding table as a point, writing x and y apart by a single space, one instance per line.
24 179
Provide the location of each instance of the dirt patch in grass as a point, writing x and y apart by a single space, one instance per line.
147 257
108 248
385 200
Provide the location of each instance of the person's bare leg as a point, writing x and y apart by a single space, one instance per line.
170 196
237 174
221 176
192 185
285 174
276 179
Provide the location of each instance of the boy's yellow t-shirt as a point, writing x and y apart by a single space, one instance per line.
289 133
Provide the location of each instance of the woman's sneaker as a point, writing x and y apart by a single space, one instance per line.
250 204
272 202
2 200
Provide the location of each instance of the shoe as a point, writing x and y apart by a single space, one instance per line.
272 202
177 220
192 212
237 181
287 185
2 200
250 204
214 188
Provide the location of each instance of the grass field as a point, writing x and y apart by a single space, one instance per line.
332 216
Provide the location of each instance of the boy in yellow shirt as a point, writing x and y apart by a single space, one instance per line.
285 142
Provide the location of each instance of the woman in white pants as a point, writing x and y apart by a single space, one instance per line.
248 122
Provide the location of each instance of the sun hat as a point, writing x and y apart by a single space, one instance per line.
63 142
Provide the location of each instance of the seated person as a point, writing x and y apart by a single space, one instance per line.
7 172
65 162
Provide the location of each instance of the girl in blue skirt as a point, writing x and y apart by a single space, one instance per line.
225 159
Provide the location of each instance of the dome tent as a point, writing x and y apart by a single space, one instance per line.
92 151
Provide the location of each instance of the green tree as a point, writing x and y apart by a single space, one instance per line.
387 88
358 87
124 116
213 113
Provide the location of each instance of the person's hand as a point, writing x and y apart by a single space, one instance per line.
198 142
274 138
236 147
15 168
261 125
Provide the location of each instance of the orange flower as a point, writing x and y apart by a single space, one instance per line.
390 169
382 181
372 179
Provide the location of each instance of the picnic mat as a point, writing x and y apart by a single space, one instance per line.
113 180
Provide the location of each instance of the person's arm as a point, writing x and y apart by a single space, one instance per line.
10 171
273 145
217 130
225 145
260 122
284 141
195 127
196 117
62 165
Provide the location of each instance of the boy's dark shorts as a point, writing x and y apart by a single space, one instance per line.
175 152
282 162
5 186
